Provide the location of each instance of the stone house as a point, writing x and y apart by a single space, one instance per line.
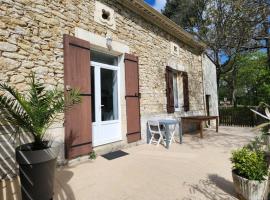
130 63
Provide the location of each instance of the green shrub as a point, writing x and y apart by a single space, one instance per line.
92 155
250 164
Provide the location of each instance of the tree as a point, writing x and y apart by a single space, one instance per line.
187 13
228 27
252 76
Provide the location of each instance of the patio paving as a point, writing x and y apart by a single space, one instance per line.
197 169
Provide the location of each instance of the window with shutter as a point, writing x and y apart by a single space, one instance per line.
176 90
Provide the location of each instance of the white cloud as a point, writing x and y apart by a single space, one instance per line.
159 4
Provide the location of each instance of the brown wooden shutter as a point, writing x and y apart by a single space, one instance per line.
78 122
185 91
169 90
132 98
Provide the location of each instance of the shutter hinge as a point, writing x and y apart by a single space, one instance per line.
137 95
88 95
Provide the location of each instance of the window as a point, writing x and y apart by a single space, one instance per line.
109 94
104 86
176 90
103 58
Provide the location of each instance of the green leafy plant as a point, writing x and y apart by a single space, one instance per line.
92 155
34 111
250 164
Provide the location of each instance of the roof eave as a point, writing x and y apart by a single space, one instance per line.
153 16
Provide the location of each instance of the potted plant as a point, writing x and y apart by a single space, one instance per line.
250 174
32 113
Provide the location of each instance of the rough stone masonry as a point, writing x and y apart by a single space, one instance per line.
31 40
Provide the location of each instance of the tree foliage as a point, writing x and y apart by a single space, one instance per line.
228 27
35 111
187 13
253 79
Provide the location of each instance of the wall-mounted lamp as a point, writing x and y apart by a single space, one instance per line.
109 42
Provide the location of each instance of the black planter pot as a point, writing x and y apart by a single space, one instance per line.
37 171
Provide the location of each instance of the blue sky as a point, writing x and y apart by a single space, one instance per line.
157 4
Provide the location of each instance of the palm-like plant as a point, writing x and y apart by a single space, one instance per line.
35 111
265 124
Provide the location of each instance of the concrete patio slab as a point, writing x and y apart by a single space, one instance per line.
195 170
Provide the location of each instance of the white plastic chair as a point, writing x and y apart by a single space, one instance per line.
154 129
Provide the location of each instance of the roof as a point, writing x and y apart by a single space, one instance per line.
163 22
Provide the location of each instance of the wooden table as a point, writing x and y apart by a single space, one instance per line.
200 119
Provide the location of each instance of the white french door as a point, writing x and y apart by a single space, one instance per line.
105 86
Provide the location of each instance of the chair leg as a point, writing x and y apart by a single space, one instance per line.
159 140
163 140
150 142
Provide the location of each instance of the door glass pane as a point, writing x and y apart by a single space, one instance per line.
93 94
103 58
175 90
109 94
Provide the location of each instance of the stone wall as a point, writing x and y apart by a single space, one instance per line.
210 85
31 40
